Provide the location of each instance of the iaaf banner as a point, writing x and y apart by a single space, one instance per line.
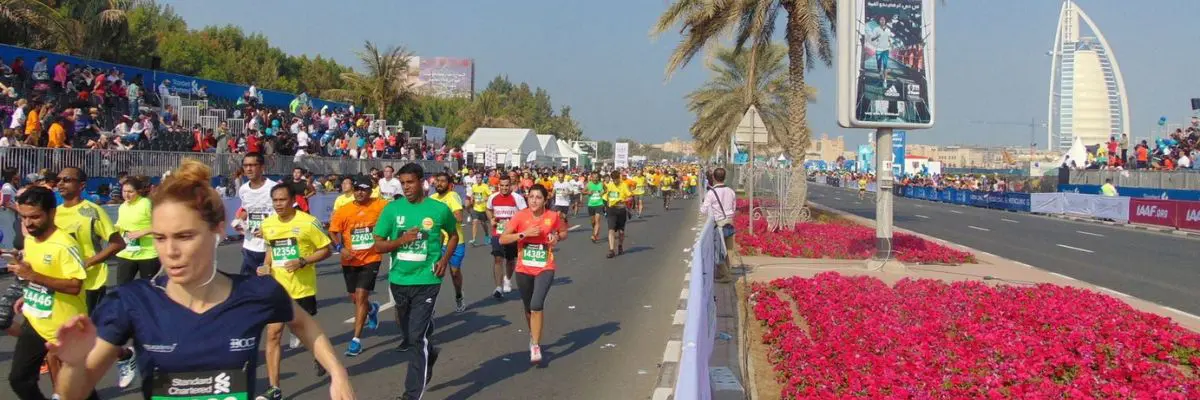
1153 212
1189 215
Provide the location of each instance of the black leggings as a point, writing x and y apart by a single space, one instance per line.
127 270
534 289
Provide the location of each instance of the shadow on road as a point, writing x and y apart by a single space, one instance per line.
636 249
507 365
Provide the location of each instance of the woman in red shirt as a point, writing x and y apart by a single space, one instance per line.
536 231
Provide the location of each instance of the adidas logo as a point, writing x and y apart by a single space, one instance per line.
891 92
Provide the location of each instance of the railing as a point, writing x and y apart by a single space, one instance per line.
1179 180
699 328
107 163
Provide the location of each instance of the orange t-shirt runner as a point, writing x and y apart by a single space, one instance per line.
533 254
356 224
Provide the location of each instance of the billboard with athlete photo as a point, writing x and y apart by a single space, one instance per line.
885 63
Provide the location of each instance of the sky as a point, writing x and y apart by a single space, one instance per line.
598 57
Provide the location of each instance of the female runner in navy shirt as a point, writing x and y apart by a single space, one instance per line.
196 330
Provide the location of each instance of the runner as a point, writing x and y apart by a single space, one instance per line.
535 231
500 208
353 225
347 196
639 191
410 230
255 196
54 279
389 186
616 193
478 201
88 224
562 195
296 243
577 183
138 259
450 198
595 203
862 187
667 185
194 323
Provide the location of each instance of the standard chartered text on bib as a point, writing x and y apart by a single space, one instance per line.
205 385
535 255
361 238
284 250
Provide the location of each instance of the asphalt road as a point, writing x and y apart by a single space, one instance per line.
1157 267
607 323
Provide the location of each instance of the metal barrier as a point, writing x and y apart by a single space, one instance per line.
772 187
209 122
220 113
237 126
189 116
174 101
1181 180
107 163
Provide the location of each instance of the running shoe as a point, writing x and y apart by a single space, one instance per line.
471 243
319 369
611 254
126 371
373 316
458 305
498 294
354 349
535 354
294 343
621 249
404 346
507 285
272 393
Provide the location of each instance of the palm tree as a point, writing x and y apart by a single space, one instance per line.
33 23
384 83
721 102
808 30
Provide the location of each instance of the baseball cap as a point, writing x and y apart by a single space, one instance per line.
362 183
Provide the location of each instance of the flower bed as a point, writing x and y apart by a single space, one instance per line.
924 339
837 238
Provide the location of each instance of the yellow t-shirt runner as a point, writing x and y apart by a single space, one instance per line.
479 195
57 257
639 187
132 217
616 194
292 240
89 225
454 202
668 183
343 199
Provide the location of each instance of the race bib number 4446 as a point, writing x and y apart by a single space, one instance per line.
39 301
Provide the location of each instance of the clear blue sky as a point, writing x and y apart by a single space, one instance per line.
598 57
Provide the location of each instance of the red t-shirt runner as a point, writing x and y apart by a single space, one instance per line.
534 255
504 207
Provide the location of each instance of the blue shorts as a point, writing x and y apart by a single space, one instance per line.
456 259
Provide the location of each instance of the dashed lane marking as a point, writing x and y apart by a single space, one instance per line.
1075 248
978 228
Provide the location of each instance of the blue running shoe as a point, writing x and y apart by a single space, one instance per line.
354 349
373 316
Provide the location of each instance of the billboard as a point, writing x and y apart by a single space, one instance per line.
621 155
885 64
445 76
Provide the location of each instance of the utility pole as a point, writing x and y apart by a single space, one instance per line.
883 194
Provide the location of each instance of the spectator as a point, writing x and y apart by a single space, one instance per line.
1108 189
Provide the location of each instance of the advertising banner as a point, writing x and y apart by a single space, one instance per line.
1153 212
1189 215
898 138
446 77
885 63
621 155
1017 202
946 195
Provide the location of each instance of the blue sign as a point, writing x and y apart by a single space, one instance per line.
898 139
1136 192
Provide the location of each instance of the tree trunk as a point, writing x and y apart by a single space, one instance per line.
797 139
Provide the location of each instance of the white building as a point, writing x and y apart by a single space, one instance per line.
511 146
1087 92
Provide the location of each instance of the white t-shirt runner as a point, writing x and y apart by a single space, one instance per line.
562 193
389 188
257 203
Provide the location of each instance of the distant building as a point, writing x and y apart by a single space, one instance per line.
826 149
675 145
1087 92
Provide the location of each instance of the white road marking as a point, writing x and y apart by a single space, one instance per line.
382 308
837 198
919 206
978 228
679 318
1112 292
1181 312
1075 248
956 211
662 393
574 227
1062 276
683 294
673 351
1009 220
689 249
1090 234
921 216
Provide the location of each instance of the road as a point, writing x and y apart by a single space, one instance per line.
607 323
1157 267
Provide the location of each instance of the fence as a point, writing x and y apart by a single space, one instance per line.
1177 180
107 163
700 326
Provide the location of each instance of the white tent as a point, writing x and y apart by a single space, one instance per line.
566 151
518 141
549 146
1077 153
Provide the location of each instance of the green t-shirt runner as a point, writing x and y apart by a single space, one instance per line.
595 194
413 264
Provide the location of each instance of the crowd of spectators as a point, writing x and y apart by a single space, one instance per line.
83 107
1177 151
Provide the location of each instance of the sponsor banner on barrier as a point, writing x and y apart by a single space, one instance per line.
1017 202
1153 212
1136 192
1189 215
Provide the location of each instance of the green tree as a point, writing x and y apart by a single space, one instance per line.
384 82
807 31
720 104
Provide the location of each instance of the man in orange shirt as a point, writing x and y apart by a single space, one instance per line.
58 131
353 224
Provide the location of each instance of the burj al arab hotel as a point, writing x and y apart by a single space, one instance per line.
1087 92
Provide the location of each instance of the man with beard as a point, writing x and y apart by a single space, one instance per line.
352 224
446 195
89 224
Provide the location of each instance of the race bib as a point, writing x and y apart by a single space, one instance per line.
595 197
534 255
255 221
284 250
39 301
414 251
361 238
500 226
479 198
131 244
230 384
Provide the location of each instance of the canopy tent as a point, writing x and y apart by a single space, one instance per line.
566 151
549 146
1077 153
510 144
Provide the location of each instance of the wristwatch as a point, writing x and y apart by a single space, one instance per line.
521 235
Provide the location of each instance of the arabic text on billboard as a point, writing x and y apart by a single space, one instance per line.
447 77
893 85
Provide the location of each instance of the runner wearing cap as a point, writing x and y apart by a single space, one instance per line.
353 225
